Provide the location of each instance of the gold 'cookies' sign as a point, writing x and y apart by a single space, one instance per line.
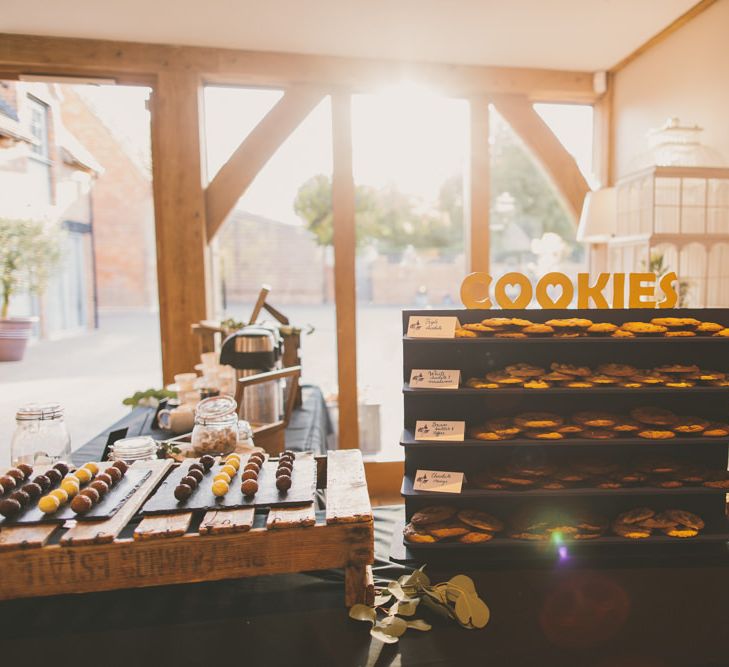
556 290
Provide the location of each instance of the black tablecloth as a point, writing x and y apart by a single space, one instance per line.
551 615
308 429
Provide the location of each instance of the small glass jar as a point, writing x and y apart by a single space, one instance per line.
138 448
216 426
40 435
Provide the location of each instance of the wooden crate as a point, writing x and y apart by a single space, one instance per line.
166 549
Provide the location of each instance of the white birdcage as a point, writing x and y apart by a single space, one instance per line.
674 215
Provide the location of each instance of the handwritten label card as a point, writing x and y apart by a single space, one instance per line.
431 378
438 480
440 430
420 326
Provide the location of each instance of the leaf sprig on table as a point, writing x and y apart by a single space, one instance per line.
396 605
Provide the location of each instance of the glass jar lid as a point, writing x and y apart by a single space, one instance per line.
39 411
133 448
215 409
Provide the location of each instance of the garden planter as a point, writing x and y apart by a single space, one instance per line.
14 335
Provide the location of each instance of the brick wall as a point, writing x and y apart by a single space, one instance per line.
123 213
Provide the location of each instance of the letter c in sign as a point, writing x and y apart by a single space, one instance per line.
475 290
525 291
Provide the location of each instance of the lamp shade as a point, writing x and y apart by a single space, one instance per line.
599 216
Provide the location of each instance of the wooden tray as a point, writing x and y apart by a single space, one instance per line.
172 549
303 486
104 509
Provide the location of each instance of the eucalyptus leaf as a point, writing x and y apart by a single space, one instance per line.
407 607
453 593
381 600
418 579
464 583
420 624
480 613
392 625
361 612
436 607
462 610
387 639
396 590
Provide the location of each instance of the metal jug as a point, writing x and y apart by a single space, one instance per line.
251 350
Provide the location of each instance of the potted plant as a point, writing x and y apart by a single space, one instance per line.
29 249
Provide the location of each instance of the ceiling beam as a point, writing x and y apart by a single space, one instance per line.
682 20
559 165
130 61
236 175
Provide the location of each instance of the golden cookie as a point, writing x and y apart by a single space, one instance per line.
478 383
412 534
578 384
598 434
636 515
656 434
626 426
570 323
676 322
553 485
499 377
556 377
609 484
595 419
538 330
630 385
538 420
475 538
519 482
570 429
544 435
724 333
716 430
681 532
677 368
503 426
707 376
568 334
432 515
569 369
524 370
602 379
623 334
601 329
643 328
709 328
684 518
680 384
529 536
510 335
631 532
690 425
447 530
617 370
537 384
465 333
679 334
480 520
654 416
479 328
659 521
490 435
505 322
586 536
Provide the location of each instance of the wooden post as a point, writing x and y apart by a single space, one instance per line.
479 191
179 207
344 268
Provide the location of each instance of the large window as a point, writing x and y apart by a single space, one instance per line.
39 164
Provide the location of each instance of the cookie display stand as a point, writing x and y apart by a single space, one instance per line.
474 357
126 552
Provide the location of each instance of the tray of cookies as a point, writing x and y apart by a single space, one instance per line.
59 493
235 482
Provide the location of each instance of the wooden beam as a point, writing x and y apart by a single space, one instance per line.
603 151
236 175
558 164
682 20
137 62
479 190
179 208
345 296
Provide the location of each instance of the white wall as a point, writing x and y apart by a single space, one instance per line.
685 75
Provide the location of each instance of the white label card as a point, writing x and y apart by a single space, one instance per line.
438 480
440 430
431 378
420 326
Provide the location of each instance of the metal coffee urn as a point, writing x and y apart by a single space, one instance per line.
257 348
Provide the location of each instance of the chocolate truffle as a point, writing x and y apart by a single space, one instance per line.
53 475
101 487
122 466
114 473
16 474
283 471
249 487
190 481
252 466
81 504
250 474
196 474
9 507
207 462
26 469
285 467
183 492
283 483
42 481
106 478
8 483
289 452
62 467
21 496
33 490
91 494
196 466
257 456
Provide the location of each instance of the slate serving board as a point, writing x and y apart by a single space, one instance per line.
303 486
104 509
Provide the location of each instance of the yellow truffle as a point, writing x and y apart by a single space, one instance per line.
229 469
222 475
220 488
61 494
233 462
92 468
48 504
70 486
233 456
83 475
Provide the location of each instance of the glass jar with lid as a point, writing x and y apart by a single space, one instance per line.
40 434
138 448
216 426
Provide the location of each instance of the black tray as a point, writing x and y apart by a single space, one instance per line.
303 487
104 509
470 391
